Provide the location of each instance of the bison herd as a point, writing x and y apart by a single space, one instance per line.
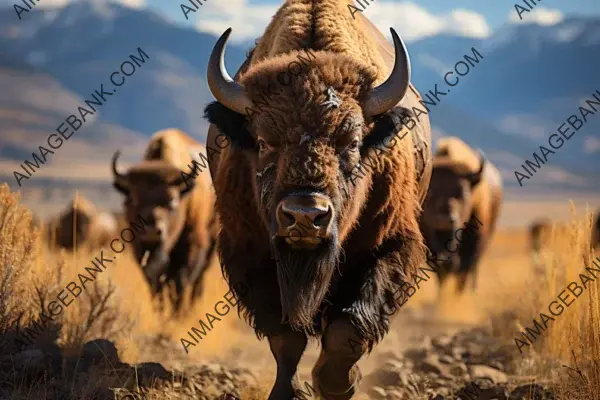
321 249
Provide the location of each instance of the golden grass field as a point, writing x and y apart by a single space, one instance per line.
510 294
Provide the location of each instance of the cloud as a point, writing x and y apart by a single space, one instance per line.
410 20
247 20
413 22
60 3
591 145
540 16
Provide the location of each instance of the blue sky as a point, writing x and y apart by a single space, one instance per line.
412 19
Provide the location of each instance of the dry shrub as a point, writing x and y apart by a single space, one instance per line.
31 276
18 250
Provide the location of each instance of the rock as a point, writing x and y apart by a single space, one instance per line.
497 393
531 391
415 355
447 359
384 377
459 353
442 341
459 369
485 372
99 351
432 364
377 392
149 372
35 361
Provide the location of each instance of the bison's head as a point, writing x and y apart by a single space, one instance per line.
303 137
538 232
74 224
154 191
449 201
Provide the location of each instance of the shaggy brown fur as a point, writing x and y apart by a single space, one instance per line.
458 196
81 224
341 289
180 212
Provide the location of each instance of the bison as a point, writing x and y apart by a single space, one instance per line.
319 186
179 239
461 209
538 234
81 224
596 231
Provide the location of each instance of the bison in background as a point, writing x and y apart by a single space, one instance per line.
178 243
596 231
319 187
81 224
538 234
465 191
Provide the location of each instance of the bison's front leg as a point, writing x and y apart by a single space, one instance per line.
287 348
336 375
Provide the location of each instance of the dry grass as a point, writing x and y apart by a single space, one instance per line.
573 338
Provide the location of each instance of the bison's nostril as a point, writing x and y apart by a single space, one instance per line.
323 219
289 217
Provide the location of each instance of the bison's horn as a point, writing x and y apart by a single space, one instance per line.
476 176
120 180
228 92
389 93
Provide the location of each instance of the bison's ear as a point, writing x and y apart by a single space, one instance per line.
385 128
231 124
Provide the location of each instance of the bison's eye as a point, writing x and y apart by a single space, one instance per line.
262 145
354 145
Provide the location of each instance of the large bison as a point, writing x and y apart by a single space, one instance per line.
80 224
180 239
321 242
461 209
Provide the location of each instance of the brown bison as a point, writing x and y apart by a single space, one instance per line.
81 224
180 239
596 231
538 233
318 186
461 209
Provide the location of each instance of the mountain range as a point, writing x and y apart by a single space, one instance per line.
529 80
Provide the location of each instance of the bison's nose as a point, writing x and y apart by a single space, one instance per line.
304 216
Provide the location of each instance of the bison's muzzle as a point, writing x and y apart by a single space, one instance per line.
304 220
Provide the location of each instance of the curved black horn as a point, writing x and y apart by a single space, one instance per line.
475 177
389 93
119 180
228 92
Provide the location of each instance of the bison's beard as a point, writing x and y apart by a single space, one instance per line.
304 277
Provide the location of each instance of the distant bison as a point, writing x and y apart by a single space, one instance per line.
461 209
180 239
319 186
538 234
81 224
596 231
